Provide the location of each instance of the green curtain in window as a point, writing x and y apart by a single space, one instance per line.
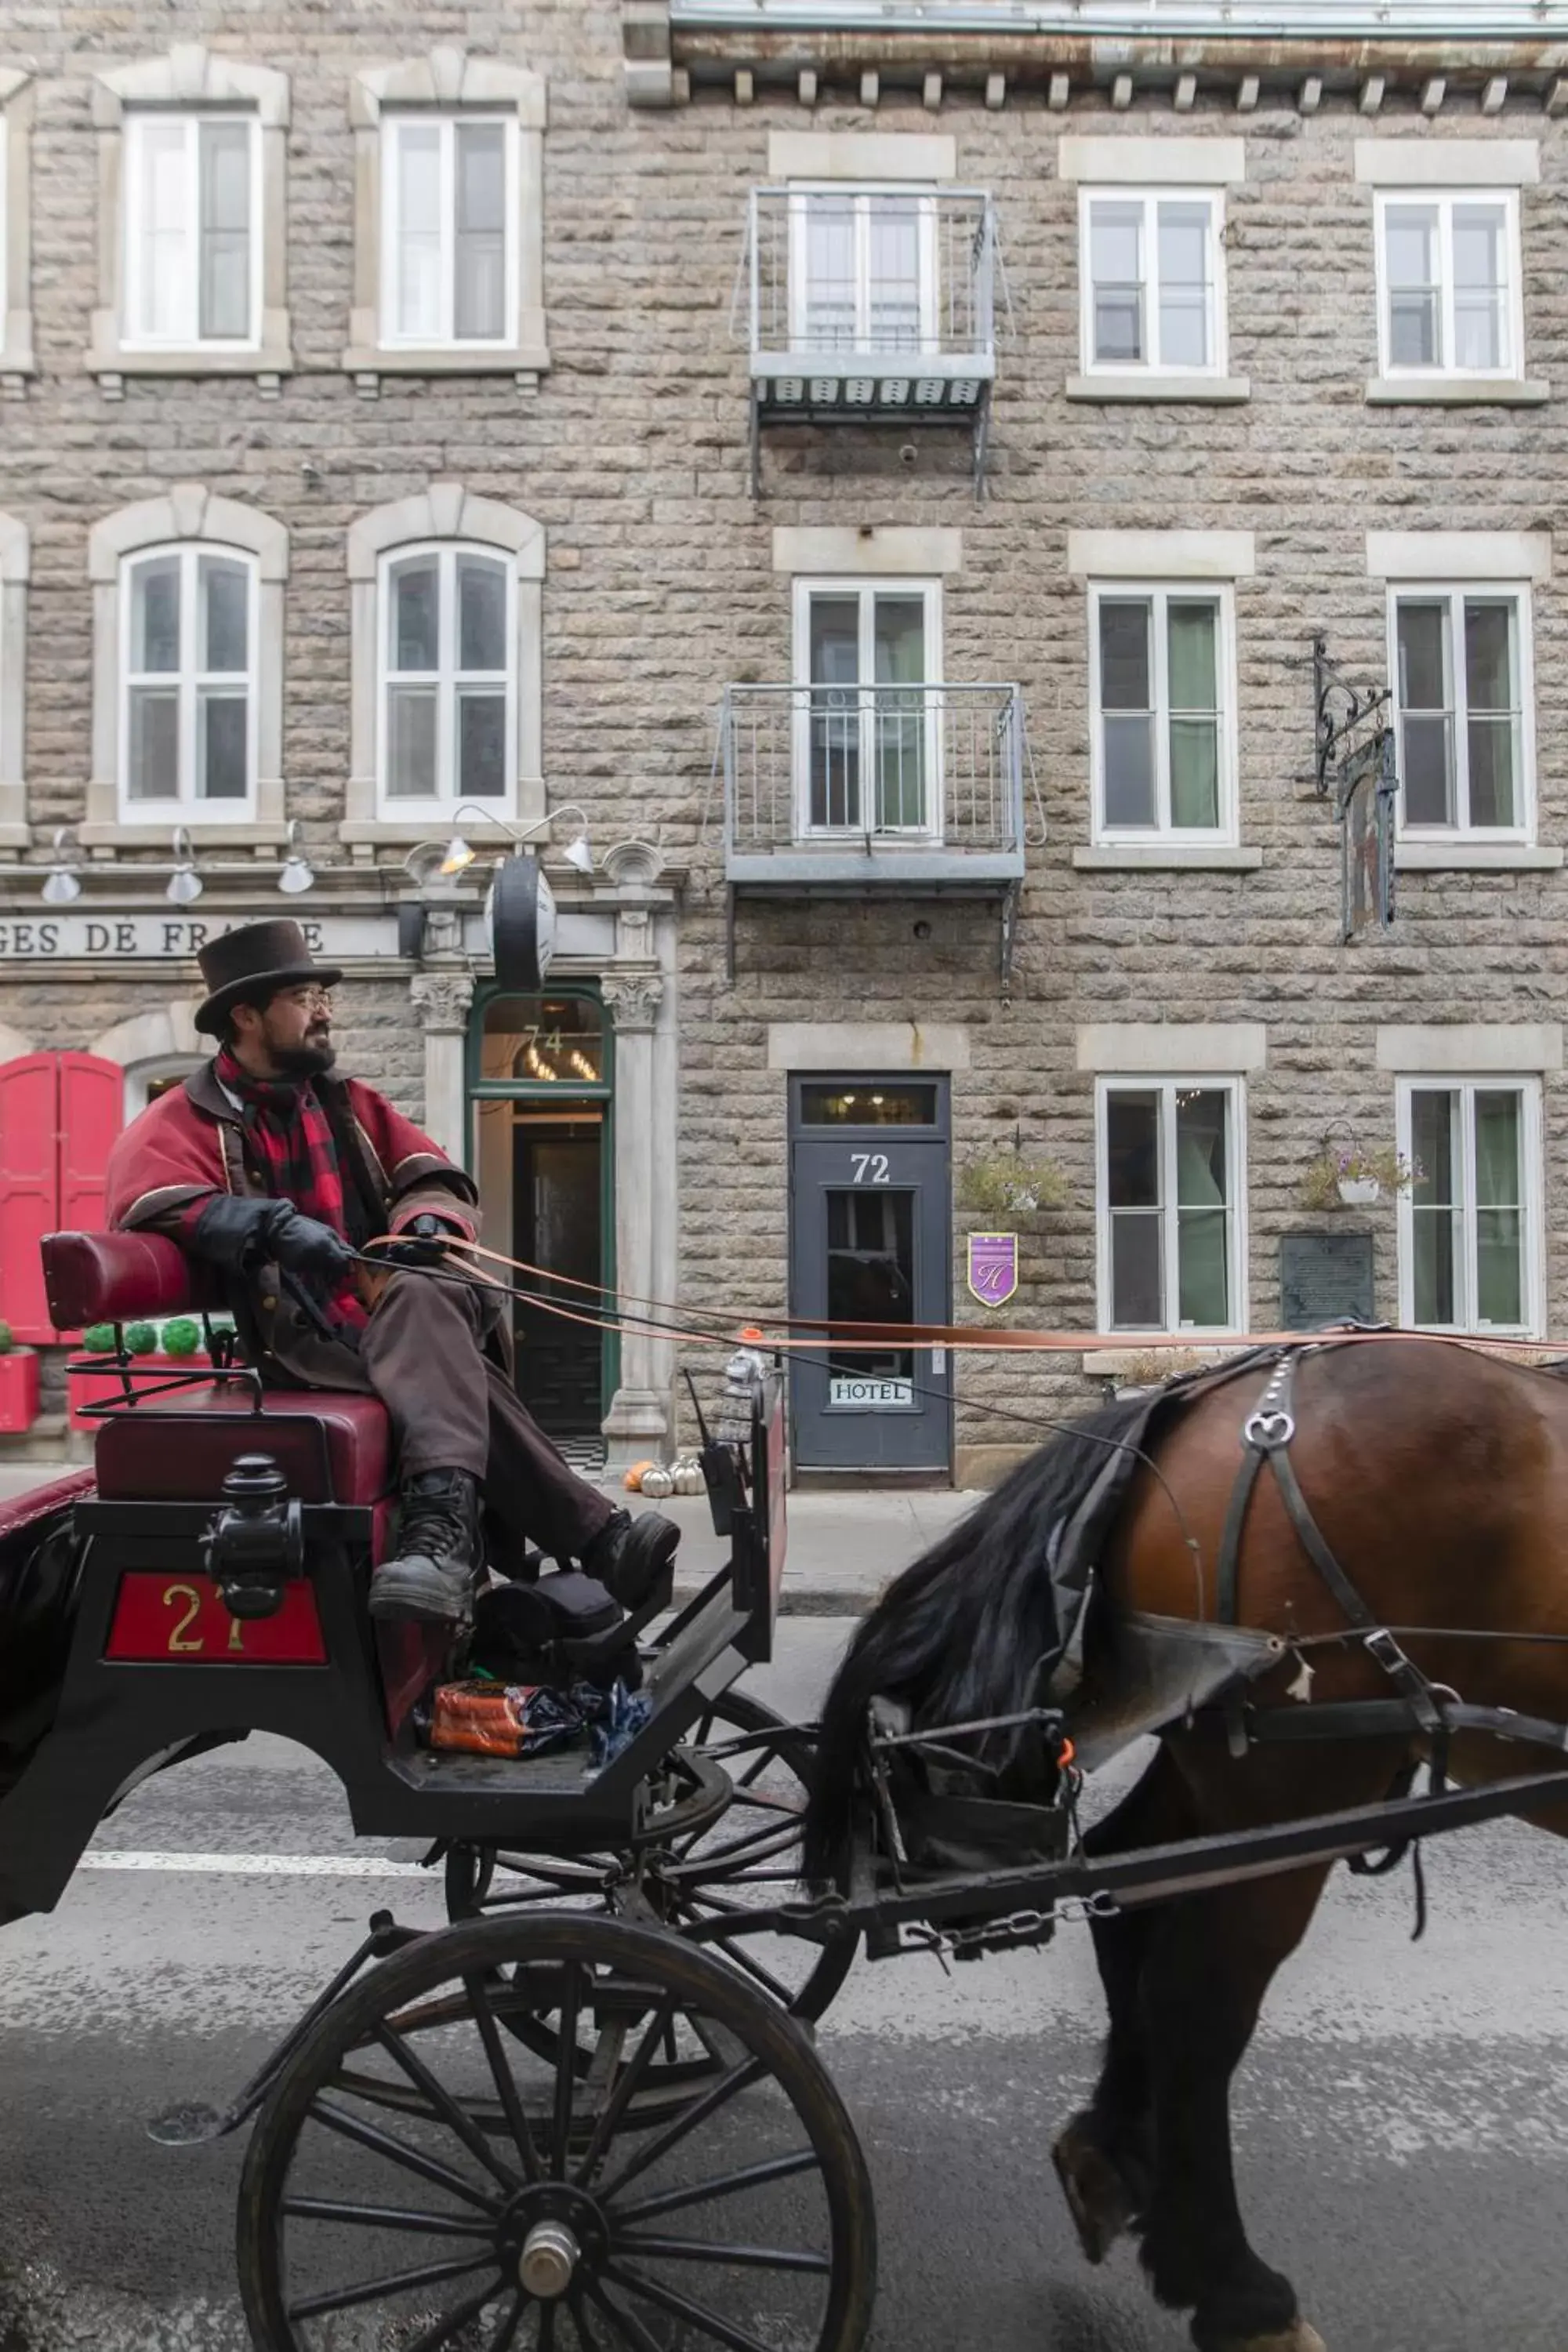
1192 657
1202 1283
901 722
1499 1236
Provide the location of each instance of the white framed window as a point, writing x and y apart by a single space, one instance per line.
1449 283
867 707
448 681
1471 1227
1461 662
192 171
191 205
188 720
448 219
1163 707
1170 1188
1151 280
863 270
448 244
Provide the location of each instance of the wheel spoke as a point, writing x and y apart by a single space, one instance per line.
504 2079
398 2151
722 2184
735 1952
680 2307
719 2095
385 2217
397 2282
441 2331
625 2089
566 2074
448 2111
628 2327
586 2339
545 2339
704 2249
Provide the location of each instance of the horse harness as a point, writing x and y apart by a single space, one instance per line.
1420 1706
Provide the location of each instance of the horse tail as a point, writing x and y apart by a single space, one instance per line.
963 1631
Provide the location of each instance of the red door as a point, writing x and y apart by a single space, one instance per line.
59 1114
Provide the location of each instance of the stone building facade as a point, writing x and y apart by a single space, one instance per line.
880 478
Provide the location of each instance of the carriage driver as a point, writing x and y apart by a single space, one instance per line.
268 1166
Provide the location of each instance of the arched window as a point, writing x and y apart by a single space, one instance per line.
189 671
446 607
187 730
449 677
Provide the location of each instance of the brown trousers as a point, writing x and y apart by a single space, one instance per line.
423 1352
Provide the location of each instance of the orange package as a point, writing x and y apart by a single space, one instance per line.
515 1719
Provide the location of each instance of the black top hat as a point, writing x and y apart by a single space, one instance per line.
247 966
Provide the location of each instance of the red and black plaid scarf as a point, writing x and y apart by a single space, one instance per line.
290 1136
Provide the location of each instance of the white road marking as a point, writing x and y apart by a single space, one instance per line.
254 1865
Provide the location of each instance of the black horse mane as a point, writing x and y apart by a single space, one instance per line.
963 1631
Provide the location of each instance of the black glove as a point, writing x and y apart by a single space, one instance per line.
423 1242
239 1235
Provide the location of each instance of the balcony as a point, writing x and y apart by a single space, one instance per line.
872 306
866 790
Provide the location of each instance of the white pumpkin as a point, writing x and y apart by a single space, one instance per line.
657 1482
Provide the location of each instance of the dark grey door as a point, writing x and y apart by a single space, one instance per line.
870 1242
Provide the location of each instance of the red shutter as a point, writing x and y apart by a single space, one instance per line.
92 1112
29 1188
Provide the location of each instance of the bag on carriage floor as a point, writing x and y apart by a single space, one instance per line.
517 1720
527 1632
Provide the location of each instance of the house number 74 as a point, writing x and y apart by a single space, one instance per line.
871 1167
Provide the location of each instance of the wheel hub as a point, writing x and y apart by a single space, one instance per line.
549 2260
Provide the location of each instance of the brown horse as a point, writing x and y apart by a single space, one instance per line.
1438 1477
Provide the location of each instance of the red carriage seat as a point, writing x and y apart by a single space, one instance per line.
333 1446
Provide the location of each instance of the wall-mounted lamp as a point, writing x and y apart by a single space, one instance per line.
460 854
185 884
296 873
61 885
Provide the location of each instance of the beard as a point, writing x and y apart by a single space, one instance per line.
313 1059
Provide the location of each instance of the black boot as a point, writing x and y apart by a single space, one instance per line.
433 1573
631 1555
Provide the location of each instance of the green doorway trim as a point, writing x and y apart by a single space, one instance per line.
559 1094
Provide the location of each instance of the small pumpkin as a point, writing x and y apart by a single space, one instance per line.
633 1480
657 1482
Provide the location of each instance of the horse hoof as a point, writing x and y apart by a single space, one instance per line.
1096 2196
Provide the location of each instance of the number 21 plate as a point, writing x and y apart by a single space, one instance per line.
172 1620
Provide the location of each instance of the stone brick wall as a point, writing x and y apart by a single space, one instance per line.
659 588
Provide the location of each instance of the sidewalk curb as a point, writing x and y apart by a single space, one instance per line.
807 1599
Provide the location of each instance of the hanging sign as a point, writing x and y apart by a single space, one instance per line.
993 1267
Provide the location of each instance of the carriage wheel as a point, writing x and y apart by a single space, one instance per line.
420 2181
750 1858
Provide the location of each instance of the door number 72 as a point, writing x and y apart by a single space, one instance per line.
871 1167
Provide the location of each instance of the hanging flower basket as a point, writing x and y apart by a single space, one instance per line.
1007 1186
1354 1178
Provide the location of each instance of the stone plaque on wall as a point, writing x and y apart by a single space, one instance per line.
1324 1278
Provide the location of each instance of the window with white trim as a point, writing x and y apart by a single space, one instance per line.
1449 284
1151 274
1162 706
1463 687
863 270
188 668
1470 1225
191 206
1170 1203
449 684
448 244
868 743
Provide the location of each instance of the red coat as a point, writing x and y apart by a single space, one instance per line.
190 1141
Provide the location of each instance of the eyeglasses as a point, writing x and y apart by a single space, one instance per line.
306 997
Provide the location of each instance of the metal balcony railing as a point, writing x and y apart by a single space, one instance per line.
918 784
872 297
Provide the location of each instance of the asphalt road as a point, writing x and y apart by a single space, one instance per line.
1402 2124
